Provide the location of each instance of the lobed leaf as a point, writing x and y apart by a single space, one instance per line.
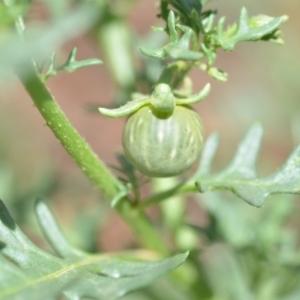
70 65
240 175
26 270
40 40
254 29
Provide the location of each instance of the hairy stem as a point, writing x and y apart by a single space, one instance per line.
86 159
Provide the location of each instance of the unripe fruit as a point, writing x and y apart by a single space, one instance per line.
161 145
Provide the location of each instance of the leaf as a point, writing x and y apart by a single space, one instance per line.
189 12
40 40
230 220
254 29
240 175
207 19
187 6
177 48
70 65
27 270
240 226
11 277
218 261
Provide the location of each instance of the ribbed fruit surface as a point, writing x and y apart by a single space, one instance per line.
163 147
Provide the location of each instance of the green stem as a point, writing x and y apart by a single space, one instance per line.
86 159
182 188
73 143
175 72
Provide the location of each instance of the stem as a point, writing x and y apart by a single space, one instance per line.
175 72
70 139
182 188
86 159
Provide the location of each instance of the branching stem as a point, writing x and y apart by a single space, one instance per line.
86 159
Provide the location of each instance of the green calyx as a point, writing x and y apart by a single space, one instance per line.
162 100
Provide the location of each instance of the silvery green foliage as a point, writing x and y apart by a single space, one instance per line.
70 65
178 46
41 40
249 29
189 20
254 246
28 272
240 176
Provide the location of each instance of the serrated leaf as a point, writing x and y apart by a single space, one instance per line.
240 175
76 275
254 29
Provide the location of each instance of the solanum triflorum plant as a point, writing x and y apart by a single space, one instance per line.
163 137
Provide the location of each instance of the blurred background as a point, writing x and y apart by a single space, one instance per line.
263 86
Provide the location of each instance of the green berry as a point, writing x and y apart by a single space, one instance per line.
163 145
